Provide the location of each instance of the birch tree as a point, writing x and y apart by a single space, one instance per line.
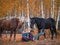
58 8
43 16
52 8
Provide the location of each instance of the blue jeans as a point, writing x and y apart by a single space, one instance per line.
36 36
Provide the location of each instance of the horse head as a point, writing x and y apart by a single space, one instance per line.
20 22
32 22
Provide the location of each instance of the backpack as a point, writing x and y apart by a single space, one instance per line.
27 37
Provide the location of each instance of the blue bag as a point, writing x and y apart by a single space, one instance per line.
27 37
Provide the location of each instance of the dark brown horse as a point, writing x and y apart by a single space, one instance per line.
10 25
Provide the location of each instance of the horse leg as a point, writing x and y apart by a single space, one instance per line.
14 35
11 35
52 33
38 33
44 35
1 33
55 32
43 31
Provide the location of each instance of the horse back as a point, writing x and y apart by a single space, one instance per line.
9 24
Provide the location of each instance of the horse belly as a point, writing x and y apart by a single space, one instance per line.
47 26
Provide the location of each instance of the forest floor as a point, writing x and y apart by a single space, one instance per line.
41 41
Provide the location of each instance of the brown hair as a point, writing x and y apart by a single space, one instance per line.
31 31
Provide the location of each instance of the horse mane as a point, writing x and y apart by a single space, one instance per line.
15 20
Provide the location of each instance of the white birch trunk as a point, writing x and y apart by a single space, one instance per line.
43 16
28 15
58 18
52 8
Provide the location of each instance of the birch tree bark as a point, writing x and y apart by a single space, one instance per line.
52 8
28 17
58 18
43 16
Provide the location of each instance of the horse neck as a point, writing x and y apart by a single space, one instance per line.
35 23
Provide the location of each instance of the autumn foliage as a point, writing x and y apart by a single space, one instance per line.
9 6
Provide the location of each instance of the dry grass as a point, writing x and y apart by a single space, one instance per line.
5 40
